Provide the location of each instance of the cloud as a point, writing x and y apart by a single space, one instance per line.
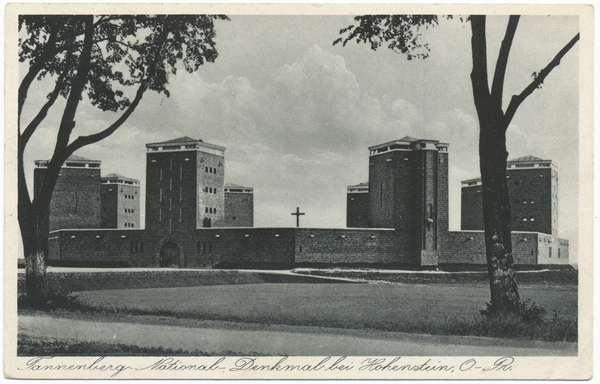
300 139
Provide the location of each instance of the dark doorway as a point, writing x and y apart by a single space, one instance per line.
169 256
206 222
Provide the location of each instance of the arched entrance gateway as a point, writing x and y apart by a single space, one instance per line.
169 255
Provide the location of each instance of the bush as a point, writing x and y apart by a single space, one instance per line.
532 313
529 312
55 294
529 322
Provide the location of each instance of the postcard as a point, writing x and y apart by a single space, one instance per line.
298 191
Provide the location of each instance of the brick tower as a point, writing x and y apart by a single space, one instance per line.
75 202
533 189
239 206
408 191
120 202
184 185
357 202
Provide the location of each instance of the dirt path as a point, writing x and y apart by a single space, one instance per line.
279 342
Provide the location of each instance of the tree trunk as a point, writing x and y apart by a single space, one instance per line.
492 163
33 234
497 216
35 275
35 242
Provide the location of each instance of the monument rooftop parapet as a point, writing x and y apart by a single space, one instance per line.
185 144
408 143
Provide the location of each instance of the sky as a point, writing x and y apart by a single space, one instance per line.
297 114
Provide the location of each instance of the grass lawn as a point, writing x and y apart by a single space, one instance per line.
559 277
406 308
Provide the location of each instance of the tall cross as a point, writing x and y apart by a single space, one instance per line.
297 214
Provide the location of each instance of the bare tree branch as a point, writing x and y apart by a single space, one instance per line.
35 68
479 77
516 100
78 84
30 130
67 122
498 82
82 141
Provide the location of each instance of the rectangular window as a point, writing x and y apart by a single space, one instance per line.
171 165
160 171
170 184
550 252
159 214
180 215
170 204
559 253
170 225
160 196
180 173
180 193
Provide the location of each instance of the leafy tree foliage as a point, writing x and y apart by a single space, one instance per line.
402 34
100 59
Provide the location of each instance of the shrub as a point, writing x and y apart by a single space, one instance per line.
529 322
529 312
55 294
532 313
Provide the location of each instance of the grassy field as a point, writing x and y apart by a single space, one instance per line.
126 279
567 276
434 309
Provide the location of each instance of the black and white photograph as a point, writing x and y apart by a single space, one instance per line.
220 191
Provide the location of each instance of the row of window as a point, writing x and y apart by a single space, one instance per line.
136 247
210 170
210 190
130 197
210 210
550 252
129 225
525 201
524 182
129 210
202 247
517 218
